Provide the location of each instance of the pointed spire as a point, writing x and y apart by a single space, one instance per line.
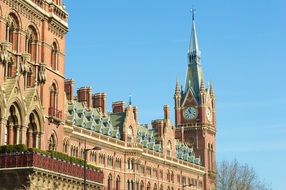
212 92
194 45
177 89
130 100
194 75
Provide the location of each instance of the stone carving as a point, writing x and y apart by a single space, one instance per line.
42 74
24 65
5 56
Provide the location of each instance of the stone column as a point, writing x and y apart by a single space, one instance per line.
3 123
23 135
17 134
30 138
7 34
22 41
37 52
38 142
10 134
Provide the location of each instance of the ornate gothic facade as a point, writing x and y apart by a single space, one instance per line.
38 109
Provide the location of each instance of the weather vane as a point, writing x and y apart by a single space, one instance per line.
193 10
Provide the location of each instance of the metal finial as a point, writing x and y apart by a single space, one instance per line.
193 10
130 99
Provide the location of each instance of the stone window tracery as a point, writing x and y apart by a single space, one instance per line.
12 28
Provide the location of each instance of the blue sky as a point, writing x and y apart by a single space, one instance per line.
140 48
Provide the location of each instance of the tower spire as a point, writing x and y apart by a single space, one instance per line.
194 45
177 89
194 75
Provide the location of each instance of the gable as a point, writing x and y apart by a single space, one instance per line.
189 99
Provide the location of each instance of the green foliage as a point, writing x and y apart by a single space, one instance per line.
19 148
13 148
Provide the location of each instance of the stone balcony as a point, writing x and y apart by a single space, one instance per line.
33 170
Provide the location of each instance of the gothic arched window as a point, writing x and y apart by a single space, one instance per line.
32 131
12 29
142 185
155 187
117 187
109 183
66 145
148 186
53 100
53 142
12 125
54 57
31 43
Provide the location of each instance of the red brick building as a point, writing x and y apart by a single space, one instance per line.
38 108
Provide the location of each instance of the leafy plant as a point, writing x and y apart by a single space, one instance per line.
19 148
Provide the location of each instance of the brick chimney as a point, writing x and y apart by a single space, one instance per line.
99 101
118 107
69 85
166 112
84 95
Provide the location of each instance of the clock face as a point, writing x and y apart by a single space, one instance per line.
190 113
209 115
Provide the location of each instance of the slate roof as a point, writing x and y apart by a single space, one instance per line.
111 125
93 120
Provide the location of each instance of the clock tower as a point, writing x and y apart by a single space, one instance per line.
195 112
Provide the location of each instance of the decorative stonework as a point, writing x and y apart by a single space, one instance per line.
56 25
36 171
5 56
42 74
57 29
25 67
28 12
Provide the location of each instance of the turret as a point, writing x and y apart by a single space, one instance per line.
177 99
